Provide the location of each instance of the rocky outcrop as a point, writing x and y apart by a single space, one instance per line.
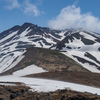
23 93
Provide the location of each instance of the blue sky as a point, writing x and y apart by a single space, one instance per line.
56 14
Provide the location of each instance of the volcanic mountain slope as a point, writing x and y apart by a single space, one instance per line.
83 46
14 41
49 60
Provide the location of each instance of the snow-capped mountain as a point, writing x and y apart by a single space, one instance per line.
14 41
81 45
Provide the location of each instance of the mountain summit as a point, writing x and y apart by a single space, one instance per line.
81 45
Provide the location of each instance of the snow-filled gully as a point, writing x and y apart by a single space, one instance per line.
47 85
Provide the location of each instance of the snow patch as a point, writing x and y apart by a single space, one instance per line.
15 62
25 32
9 36
87 36
32 69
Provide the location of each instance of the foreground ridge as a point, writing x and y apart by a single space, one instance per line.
23 93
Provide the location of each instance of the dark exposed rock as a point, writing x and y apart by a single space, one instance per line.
12 90
69 47
62 98
63 91
99 48
90 56
13 96
23 90
86 61
79 47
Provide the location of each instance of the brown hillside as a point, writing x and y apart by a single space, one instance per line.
50 60
87 78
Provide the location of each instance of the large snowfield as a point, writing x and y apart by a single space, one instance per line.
44 85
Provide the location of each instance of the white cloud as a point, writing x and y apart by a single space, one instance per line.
26 6
12 4
30 9
71 17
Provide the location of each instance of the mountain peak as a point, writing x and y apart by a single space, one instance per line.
79 44
26 25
